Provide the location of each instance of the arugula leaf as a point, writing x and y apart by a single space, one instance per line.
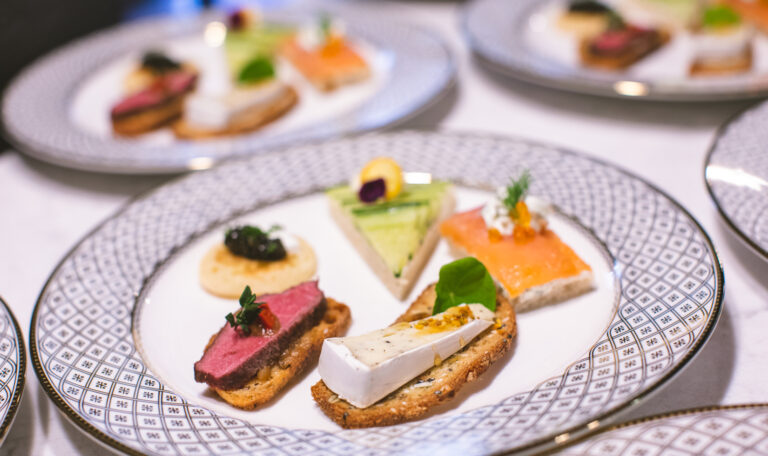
256 70
464 281
720 16
516 190
248 314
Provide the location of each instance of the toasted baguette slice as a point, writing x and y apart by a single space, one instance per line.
302 353
590 59
225 274
542 295
248 121
398 286
437 384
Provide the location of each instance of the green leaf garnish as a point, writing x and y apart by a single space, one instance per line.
720 16
516 190
256 70
248 314
464 281
325 25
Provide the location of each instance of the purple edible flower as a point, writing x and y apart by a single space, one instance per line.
237 20
372 190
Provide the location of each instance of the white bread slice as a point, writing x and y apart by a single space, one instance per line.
398 286
549 293
434 386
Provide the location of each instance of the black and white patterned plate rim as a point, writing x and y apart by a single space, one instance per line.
12 368
671 297
35 107
486 23
738 150
640 428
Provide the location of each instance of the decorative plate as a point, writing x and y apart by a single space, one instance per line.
725 431
122 318
521 39
12 367
57 109
737 176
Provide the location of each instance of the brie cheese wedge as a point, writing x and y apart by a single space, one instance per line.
218 111
363 369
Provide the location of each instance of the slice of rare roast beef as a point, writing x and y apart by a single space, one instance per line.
233 358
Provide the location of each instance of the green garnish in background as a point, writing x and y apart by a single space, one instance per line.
720 16
516 190
464 281
325 25
249 312
256 70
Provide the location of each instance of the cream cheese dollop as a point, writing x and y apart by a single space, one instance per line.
496 214
311 36
722 43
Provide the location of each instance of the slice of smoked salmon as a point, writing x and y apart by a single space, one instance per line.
334 64
517 264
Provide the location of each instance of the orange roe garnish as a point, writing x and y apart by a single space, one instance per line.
333 45
494 235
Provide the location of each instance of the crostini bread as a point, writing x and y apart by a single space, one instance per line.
623 61
250 120
299 355
436 385
225 274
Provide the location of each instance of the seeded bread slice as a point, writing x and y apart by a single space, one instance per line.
298 357
436 385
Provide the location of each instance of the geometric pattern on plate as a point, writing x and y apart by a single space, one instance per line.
36 107
724 431
737 176
12 368
670 284
495 31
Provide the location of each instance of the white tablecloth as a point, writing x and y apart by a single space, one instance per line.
44 210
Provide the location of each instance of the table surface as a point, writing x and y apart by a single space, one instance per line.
47 209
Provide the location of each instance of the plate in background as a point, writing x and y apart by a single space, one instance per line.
12 368
736 173
521 39
57 109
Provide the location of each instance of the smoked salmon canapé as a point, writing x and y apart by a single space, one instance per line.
531 264
323 55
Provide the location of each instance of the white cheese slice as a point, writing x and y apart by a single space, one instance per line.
363 369
217 111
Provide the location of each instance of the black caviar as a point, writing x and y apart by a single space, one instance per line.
253 243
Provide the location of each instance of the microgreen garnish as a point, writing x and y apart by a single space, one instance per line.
256 70
253 243
158 62
248 314
516 191
615 21
325 25
464 281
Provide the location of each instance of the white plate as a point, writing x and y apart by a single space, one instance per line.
736 173
724 431
12 368
122 320
522 40
57 110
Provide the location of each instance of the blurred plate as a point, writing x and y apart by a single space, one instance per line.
737 176
57 110
122 319
521 39
12 368
724 431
